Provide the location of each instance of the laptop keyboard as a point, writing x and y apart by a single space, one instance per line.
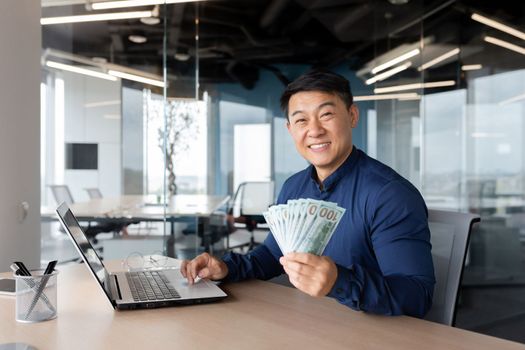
150 285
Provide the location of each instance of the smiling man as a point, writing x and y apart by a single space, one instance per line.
378 259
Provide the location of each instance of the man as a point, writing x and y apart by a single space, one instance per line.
378 259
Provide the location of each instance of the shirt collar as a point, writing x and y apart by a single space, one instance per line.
347 166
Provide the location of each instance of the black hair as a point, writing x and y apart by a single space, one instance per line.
318 80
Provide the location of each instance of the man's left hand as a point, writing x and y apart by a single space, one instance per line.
312 274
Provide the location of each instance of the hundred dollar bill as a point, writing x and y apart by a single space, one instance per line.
298 211
292 205
321 228
281 217
274 211
273 229
303 225
309 215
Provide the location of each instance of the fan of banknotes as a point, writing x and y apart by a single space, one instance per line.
303 225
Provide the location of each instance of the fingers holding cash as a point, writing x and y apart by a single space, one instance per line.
203 266
302 228
312 274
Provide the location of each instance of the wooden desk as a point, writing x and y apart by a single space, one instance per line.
256 315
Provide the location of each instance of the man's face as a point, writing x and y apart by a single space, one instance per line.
321 127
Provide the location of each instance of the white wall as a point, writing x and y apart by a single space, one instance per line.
92 114
20 40
287 161
251 153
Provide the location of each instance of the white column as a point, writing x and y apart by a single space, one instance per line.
20 40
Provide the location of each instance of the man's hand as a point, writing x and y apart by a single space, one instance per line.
312 274
204 266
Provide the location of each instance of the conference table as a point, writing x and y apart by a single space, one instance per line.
136 208
255 315
144 207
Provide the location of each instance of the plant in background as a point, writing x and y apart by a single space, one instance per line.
180 129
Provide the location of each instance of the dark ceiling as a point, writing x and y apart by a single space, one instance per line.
239 39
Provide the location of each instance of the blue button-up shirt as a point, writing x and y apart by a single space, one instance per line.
381 246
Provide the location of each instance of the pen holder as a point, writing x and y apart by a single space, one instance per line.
36 297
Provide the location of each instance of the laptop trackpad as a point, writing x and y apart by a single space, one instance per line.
201 289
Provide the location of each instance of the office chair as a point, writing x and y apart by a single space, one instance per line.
249 202
61 193
216 228
94 192
450 233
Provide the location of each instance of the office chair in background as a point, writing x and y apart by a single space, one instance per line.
251 199
94 192
216 229
449 235
61 193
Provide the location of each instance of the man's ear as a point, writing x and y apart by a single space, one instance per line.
288 126
354 115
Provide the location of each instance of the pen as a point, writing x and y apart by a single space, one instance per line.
50 267
15 269
22 268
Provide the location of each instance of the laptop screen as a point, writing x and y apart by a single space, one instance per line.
89 255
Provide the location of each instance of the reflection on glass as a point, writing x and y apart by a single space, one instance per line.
443 149
186 133
441 93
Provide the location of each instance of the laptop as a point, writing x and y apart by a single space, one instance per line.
137 289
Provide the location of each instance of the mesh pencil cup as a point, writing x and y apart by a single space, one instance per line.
36 297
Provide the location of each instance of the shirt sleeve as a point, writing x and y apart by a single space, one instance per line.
261 263
400 240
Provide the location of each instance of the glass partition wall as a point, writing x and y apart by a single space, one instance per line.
163 115
459 138
124 129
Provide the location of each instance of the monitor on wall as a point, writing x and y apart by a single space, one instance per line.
82 156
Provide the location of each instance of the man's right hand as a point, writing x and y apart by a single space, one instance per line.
204 266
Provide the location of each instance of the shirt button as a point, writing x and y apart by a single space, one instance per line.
339 291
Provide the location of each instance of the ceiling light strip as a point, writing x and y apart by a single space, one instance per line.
504 44
79 70
471 67
497 25
395 61
414 86
512 99
438 59
408 95
418 97
95 18
103 66
56 3
102 103
388 73
133 3
137 78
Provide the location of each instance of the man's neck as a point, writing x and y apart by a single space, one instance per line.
323 174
